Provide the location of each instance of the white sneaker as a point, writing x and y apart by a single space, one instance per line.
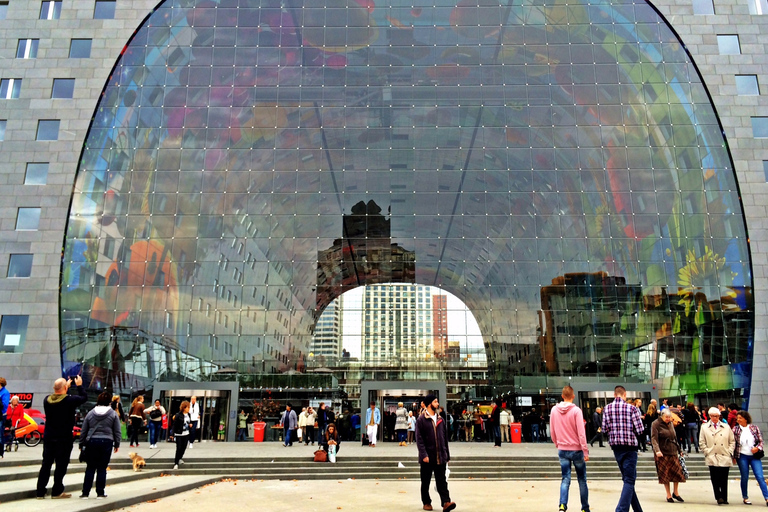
175 466
181 461
190 446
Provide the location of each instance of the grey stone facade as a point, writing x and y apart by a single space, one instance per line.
34 369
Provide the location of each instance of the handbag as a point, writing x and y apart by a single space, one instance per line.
681 458
321 456
759 454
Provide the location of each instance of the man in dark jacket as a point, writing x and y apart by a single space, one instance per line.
432 441
60 408
597 426
322 422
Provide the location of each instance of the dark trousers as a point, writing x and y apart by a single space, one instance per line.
58 452
597 437
719 478
2 435
309 434
136 424
181 447
192 432
98 453
497 435
426 470
627 461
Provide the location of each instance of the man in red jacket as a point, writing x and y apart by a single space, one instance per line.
432 441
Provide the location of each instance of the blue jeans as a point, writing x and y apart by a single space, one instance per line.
577 458
242 433
745 461
627 461
288 440
154 430
100 453
535 433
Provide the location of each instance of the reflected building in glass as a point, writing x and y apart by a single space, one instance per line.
558 167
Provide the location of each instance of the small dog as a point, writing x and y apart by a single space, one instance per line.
138 461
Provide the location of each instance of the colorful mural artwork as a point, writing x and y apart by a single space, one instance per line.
557 166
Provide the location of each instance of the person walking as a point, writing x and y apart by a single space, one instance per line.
597 426
372 422
118 408
716 442
504 423
621 421
194 415
322 422
401 423
434 455
5 401
411 427
667 453
566 425
60 408
495 423
14 416
289 422
309 436
748 441
182 426
100 435
641 437
301 431
136 415
242 426
691 421
154 422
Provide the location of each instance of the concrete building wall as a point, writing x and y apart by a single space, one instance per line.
34 369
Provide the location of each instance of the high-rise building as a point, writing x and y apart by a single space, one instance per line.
327 340
440 324
397 322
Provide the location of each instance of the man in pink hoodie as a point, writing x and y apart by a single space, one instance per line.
567 426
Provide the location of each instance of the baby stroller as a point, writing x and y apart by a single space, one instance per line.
24 430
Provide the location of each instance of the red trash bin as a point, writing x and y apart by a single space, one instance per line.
517 432
258 431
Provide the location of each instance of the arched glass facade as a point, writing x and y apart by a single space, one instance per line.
557 166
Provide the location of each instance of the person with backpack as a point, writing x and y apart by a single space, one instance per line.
181 427
155 424
100 435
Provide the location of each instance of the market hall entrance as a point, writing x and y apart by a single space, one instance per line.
387 394
217 401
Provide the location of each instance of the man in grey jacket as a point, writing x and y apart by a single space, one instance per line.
289 422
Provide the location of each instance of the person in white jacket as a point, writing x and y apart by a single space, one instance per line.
302 431
505 420
566 423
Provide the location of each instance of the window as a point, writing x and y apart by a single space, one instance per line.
27 219
703 7
758 6
27 48
37 173
10 88
746 85
50 10
3 122
728 45
48 129
765 170
63 88
760 127
80 49
104 10
13 333
3 9
20 265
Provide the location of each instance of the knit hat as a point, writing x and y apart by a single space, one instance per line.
429 399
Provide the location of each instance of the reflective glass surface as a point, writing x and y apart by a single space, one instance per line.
557 167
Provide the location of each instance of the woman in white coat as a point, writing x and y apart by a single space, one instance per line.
716 442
